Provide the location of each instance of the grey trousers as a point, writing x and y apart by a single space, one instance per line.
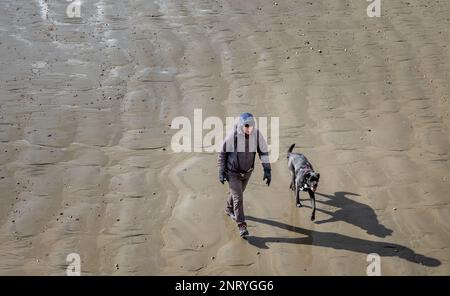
235 202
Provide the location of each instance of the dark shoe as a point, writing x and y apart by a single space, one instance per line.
243 229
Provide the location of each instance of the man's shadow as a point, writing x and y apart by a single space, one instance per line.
353 212
339 242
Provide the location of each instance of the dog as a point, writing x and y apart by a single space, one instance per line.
304 178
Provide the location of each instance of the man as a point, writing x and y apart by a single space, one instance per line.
236 161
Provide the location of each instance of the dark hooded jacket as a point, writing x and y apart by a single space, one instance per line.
238 152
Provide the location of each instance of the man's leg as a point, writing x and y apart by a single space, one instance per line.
239 201
236 194
229 209
229 206
245 181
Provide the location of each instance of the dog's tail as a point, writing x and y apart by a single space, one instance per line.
290 149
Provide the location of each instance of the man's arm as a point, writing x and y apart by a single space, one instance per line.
263 151
222 159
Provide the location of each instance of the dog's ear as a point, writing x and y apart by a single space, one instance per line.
318 176
307 175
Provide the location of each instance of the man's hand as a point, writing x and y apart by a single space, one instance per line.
267 176
223 177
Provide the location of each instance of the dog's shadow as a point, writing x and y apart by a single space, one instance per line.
339 242
352 212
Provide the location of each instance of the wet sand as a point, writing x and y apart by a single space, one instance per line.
86 164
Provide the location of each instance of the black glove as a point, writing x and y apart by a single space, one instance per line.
267 176
223 177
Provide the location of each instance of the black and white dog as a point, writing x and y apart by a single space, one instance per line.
303 178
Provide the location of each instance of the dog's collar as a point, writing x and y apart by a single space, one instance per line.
305 169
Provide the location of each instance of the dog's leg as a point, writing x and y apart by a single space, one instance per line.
292 186
297 197
312 196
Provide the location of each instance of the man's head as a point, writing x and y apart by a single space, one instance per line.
248 129
246 123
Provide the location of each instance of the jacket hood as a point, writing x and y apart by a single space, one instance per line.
245 118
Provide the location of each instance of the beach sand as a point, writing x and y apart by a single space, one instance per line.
86 164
